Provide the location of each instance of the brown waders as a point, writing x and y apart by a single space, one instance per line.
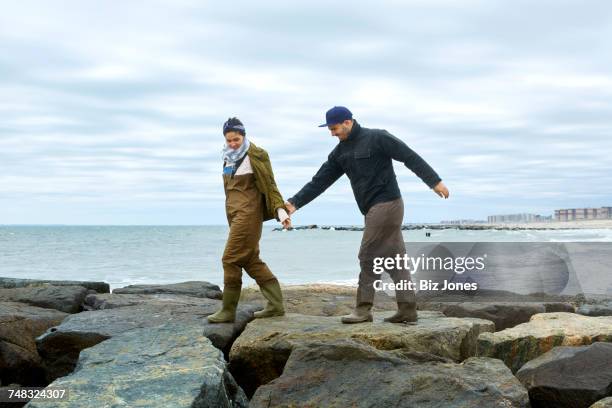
382 237
244 208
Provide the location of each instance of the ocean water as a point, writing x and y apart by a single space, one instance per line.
124 255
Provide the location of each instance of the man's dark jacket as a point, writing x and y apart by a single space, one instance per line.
366 158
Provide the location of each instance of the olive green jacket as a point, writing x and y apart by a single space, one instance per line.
264 180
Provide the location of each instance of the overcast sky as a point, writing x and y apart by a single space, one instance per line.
111 111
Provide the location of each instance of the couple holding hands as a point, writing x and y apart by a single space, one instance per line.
252 197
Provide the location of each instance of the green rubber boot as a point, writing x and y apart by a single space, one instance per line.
272 292
227 314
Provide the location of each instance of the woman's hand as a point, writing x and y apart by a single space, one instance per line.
287 224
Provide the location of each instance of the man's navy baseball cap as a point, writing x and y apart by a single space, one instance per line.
337 114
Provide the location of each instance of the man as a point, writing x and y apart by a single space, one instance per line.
366 155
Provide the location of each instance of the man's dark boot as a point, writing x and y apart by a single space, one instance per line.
361 314
406 312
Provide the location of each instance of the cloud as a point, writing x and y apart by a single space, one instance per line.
111 110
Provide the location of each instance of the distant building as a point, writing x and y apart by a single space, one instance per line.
574 214
461 222
518 218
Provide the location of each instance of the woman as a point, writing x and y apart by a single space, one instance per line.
251 197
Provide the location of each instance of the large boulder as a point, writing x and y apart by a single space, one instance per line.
349 374
569 377
100 301
522 343
200 289
20 324
483 295
8 283
604 403
68 299
503 314
320 299
60 346
163 366
596 309
259 354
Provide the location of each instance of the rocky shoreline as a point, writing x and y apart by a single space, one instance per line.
151 346
553 225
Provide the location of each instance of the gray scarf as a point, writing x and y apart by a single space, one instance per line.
232 156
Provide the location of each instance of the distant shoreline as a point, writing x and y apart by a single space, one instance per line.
552 225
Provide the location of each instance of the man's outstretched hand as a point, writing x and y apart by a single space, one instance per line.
287 224
440 189
290 207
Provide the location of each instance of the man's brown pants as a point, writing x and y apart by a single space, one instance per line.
382 237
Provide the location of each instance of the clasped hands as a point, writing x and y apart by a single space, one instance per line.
290 210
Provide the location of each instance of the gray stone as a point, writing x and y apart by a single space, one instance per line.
60 346
259 354
503 314
492 296
20 324
522 343
67 299
320 299
9 283
200 289
97 301
604 403
349 374
569 377
171 365
596 309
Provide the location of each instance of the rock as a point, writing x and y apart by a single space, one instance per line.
484 295
302 227
503 314
97 301
524 342
20 324
569 377
349 374
604 403
192 288
164 366
60 346
319 299
597 309
259 354
555 307
66 299
9 283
